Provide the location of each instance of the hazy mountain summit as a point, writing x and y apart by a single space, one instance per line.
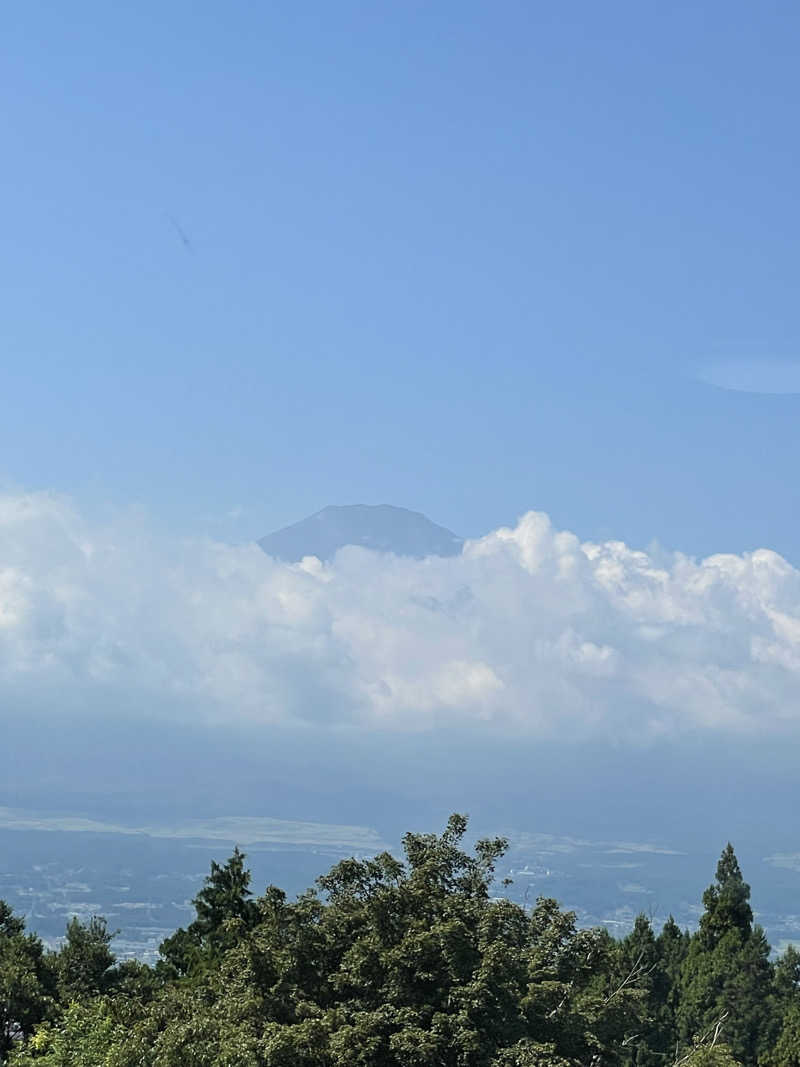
381 527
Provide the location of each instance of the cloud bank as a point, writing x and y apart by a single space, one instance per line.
528 630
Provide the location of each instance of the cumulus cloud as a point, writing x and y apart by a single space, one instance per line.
528 630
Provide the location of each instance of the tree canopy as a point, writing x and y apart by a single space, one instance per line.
417 961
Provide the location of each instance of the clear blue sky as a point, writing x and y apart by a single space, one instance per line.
469 258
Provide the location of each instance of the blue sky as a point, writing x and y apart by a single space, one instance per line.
467 258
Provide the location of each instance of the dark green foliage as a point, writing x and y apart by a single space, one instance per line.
399 964
726 902
133 979
673 946
84 961
223 906
225 895
787 976
27 981
785 1052
726 975
572 1004
641 967
410 963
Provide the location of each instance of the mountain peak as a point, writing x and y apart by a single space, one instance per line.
380 527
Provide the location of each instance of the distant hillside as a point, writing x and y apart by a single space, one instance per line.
380 527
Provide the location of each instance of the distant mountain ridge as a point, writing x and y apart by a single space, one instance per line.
380 527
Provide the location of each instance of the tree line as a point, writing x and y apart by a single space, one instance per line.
405 963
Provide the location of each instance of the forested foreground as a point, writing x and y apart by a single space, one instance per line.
414 963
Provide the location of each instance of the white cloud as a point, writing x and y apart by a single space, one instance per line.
768 376
528 629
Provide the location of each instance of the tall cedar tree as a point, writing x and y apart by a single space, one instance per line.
223 902
727 973
673 945
641 966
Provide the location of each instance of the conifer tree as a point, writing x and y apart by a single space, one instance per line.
225 895
727 975
786 1050
642 963
84 960
223 901
785 1036
672 945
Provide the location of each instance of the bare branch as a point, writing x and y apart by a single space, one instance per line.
708 1040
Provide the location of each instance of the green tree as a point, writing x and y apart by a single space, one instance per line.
394 963
426 967
135 980
27 981
787 977
672 944
641 967
85 959
222 906
410 963
86 1035
225 895
727 975
786 1050
581 1004
785 1047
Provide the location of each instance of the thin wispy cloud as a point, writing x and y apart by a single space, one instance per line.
766 376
